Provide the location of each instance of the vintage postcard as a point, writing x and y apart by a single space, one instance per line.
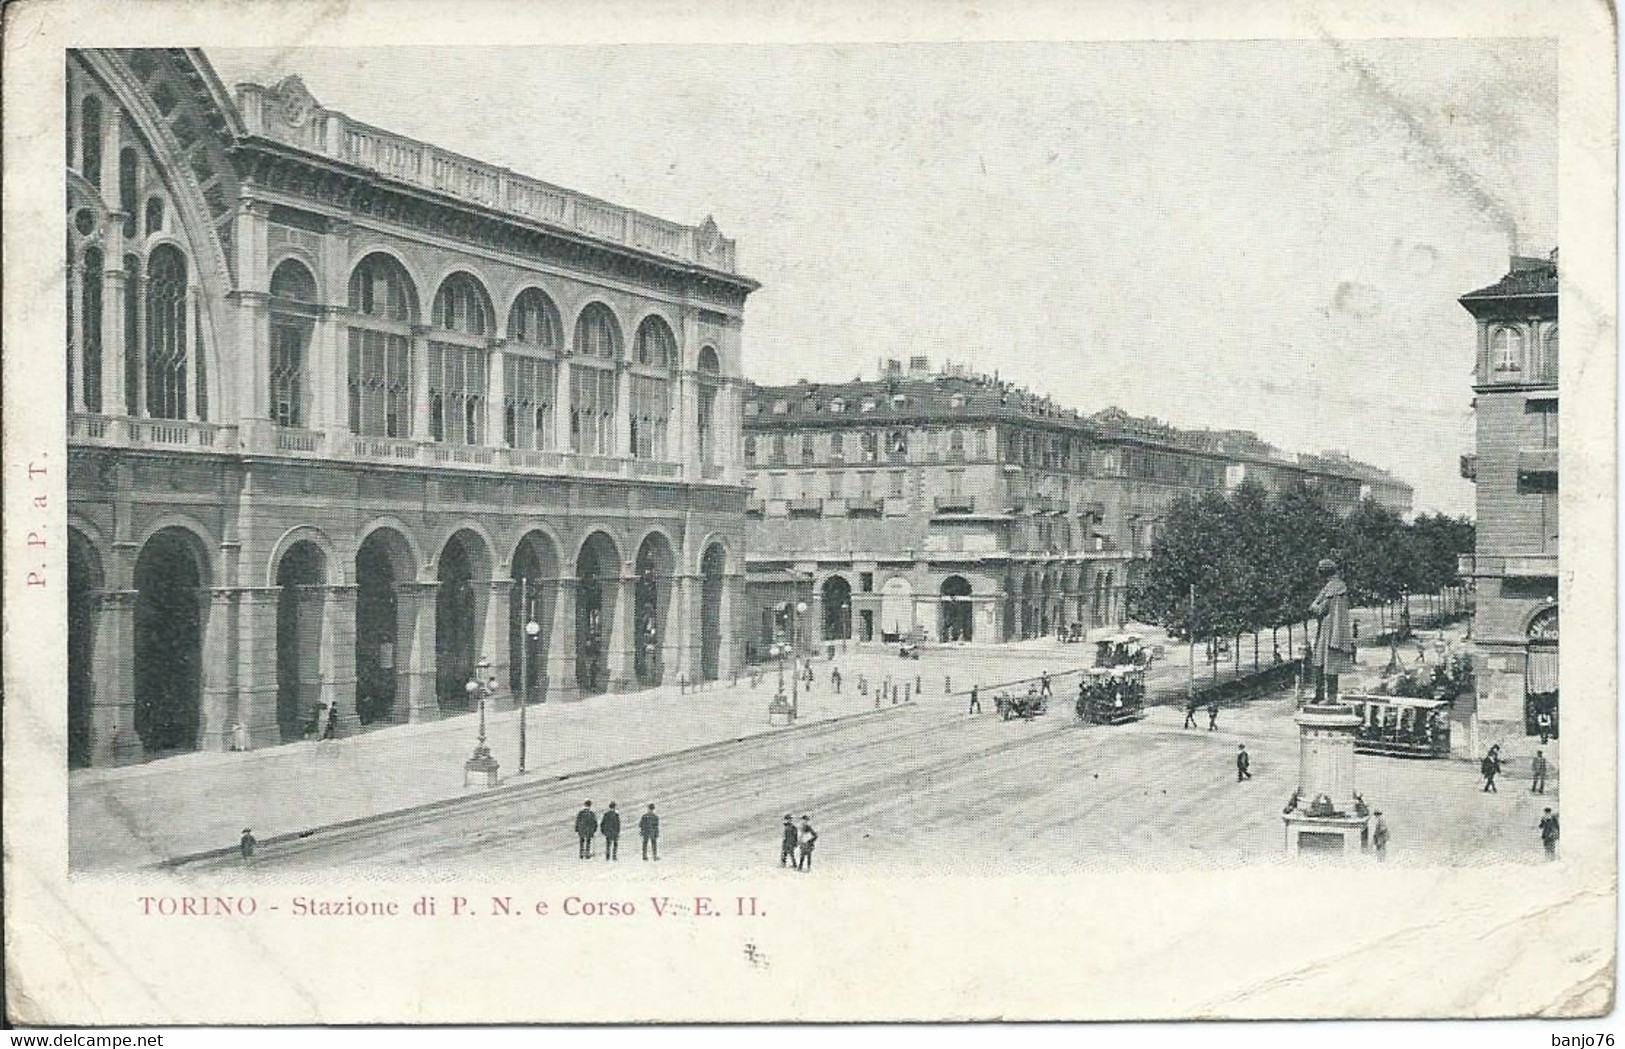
1006 511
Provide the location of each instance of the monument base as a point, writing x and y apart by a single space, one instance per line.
1328 836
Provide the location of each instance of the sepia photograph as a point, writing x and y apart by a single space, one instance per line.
851 467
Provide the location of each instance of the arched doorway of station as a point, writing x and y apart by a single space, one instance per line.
300 605
958 613
382 565
651 607
169 580
597 580
533 598
1540 676
464 574
84 580
896 609
837 595
713 573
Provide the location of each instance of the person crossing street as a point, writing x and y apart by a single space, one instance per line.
586 827
649 830
787 845
1242 763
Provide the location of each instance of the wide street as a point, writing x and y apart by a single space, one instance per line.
928 788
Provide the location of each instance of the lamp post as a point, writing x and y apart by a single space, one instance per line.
481 686
795 650
532 629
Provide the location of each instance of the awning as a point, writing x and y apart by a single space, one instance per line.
1541 675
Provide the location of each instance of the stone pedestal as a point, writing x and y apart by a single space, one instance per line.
1328 819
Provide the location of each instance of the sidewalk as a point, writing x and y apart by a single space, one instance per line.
141 814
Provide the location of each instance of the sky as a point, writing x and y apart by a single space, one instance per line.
1259 235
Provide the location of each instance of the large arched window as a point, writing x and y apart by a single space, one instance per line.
293 319
383 305
166 334
592 381
1506 350
709 382
90 357
155 215
655 349
530 372
127 191
597 333
458 360
90 139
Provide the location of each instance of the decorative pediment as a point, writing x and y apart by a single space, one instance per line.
294 101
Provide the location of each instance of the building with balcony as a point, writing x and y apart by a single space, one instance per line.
347 409
955 506
1515 470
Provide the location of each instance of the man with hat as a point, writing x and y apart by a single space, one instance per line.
1334 635
1379 836
586 827
787 851
247 844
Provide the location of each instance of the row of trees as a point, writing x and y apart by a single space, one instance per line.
1251 556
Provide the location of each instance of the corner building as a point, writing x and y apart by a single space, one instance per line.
346 410
1515 469
954 506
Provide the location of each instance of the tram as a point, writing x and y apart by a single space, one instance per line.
1401 726
1111 695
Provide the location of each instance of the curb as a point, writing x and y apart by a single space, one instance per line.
514 787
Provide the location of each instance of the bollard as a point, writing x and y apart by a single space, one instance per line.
905 693
919 687
947 686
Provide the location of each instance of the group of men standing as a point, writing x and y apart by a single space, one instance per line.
796 847
589 825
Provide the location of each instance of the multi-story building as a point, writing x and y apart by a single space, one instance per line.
955 506
347 411
1515 467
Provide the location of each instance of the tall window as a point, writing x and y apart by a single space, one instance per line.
779 453
457 361
956 445
90 139
592 411
527 409
155 214
127 195
710 380
383 306
91 318
132 335
1506 350
534 322
654 349
293 319
809 452
166 334
656 346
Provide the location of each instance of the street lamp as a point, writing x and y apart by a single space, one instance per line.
482 763
795 678
532 629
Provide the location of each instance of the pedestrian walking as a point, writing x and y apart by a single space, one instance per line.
247 843
1190 713
835 680
332 721
787 845
586 827
1043 685
1213 715
1548 833
1242 763
1543 723
975 699
1537 773
1488 768
649 830
610 827
808 838
1379 836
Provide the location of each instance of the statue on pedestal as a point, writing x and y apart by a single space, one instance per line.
1334 634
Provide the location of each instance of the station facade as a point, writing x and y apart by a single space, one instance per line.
953 506
1514 566
347 411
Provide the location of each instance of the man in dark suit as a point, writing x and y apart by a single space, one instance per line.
649 828
586 827
1242 763
610 826
787 849
809 838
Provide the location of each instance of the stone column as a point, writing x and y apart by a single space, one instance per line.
560 673
732 623
618 646
113 740
141 346
76 334
680 654
496 642
415 698
256 683
496 396
112 377
337 653
684 443
420 388
561 405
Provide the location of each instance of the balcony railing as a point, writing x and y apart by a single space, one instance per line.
87 427
864 504
955 504
807 507
181 433
655 468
